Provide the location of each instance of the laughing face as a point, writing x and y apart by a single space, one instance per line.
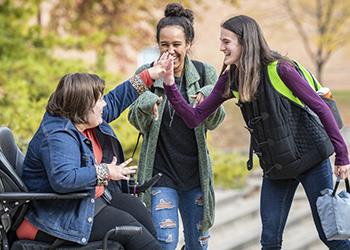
95 116
230 46
172 39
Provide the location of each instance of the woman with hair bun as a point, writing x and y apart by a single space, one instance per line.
170 147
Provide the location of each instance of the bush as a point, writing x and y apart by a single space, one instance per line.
229 169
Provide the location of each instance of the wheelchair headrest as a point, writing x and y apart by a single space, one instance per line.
10 150
11 163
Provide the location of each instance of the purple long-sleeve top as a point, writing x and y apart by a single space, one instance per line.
292 79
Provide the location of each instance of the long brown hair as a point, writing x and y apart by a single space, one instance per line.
75 96
255 54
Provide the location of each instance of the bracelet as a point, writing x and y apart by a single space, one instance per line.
138 84
146 78
103 175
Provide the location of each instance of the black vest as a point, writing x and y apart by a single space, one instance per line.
287 138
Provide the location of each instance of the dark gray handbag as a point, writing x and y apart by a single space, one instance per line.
324 93
333 107
334 212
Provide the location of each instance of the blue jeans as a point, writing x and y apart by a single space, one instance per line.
276 200
165 205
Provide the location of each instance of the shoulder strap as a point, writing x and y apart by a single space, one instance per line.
279 85
201 71
307 75
152 88
137 143
281 88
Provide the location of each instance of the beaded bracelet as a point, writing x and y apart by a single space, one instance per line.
138 84
103 175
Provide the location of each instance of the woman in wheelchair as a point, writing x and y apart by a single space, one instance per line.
75 149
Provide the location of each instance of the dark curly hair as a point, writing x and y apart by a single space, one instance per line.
176 14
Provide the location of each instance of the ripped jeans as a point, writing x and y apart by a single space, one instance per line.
165 204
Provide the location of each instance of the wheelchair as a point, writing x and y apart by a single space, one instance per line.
15 201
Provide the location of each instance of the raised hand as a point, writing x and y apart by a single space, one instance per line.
162 59
159 67
168 76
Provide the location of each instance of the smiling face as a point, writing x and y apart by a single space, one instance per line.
172 39
230 46
94 118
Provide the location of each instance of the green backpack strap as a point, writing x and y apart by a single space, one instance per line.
235 94
282 89
307 75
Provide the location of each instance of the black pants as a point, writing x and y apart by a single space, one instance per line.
125 210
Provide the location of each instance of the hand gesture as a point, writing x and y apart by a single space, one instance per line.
199 98
120 172
162 59
342 171
168 76
158 69
154 111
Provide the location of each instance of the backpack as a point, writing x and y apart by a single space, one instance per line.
312 81
283 90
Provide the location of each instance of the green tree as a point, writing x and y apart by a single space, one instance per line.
28 71
323 26
105 25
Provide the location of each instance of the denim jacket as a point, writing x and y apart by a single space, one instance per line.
60 159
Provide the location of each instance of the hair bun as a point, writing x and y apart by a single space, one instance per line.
176 9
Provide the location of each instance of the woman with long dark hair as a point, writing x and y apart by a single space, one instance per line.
292 143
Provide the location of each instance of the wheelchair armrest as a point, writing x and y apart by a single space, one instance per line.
137 188
121 230
17 196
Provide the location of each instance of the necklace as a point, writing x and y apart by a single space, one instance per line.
170 107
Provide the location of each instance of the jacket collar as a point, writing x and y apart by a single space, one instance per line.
191 74
56 122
